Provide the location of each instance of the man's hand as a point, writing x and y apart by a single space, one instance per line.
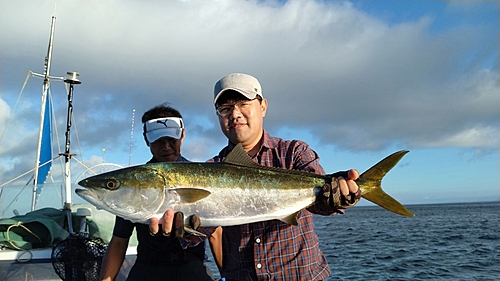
172 224
345 193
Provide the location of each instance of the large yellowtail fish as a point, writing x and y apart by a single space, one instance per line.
236 191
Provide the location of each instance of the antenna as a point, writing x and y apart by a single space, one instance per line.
131 137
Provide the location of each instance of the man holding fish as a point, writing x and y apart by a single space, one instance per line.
273 249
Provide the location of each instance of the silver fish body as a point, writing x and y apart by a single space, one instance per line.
237 191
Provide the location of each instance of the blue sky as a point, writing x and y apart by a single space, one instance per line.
357 80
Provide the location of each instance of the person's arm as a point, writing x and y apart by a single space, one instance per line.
113 259
216 246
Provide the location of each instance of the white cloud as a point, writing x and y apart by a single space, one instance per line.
347 77
471 137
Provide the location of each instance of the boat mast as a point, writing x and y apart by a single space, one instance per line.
45 88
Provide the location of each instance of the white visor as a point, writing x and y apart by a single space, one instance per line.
163 127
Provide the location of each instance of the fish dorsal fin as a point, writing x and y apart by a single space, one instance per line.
191 195
240 157
291 219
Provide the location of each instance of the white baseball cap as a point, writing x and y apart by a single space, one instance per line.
245 84
163 127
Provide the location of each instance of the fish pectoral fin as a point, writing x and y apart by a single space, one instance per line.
189 231
191 195
291 219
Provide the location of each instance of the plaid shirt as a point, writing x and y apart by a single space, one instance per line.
274 250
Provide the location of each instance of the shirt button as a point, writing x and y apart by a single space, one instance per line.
259 265
257 240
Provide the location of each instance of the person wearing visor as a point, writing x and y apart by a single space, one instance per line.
272 250
161 255
165 136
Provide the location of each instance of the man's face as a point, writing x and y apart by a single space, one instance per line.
166 149
243 122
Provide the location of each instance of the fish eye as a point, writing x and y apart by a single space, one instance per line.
112 184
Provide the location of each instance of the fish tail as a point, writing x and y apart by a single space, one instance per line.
370 183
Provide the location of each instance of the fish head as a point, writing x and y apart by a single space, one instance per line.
134 193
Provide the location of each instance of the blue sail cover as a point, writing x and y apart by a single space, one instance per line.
46 148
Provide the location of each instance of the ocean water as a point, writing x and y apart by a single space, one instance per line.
455 242
442 242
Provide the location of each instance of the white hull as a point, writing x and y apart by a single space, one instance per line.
40 266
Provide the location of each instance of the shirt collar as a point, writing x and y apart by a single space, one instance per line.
267 143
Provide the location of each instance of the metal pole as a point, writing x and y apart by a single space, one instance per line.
45 88
71 80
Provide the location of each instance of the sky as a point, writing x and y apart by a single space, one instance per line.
356 80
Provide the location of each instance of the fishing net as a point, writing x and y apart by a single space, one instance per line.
78 258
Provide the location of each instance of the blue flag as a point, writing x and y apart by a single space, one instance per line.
46 148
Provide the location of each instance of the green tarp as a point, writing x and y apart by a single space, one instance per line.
38 229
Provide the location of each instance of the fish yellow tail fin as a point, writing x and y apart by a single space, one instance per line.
370 183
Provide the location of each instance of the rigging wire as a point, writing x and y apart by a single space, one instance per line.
30 73
28 183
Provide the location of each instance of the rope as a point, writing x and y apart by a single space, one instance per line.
84 166
19 224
